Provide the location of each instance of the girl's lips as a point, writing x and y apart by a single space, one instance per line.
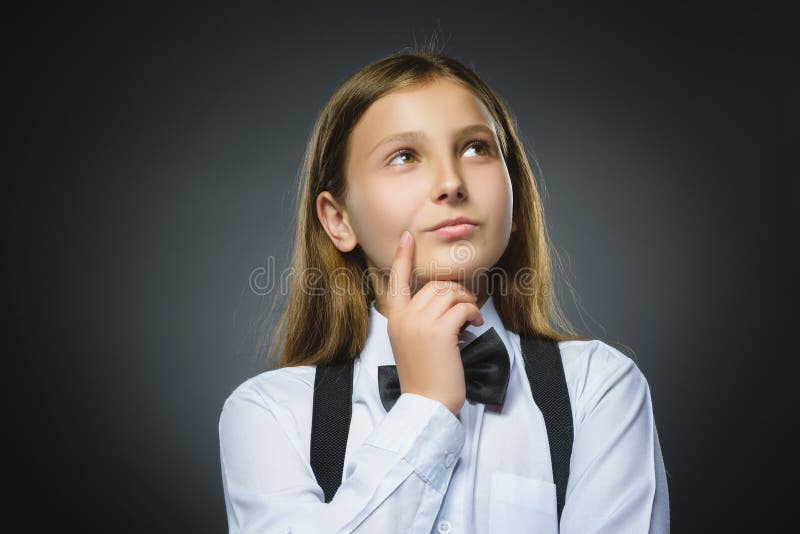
455 230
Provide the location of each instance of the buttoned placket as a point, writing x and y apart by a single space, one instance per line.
452 517
449 517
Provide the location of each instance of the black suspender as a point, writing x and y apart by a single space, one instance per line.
330 424
333 395
549 388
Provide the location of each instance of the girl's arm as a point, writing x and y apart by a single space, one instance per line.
617 481
398 483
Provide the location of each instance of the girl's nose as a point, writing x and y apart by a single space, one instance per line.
449 188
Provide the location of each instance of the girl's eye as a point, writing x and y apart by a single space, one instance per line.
482 144
473 143
397 155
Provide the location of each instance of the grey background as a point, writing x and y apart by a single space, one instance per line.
155 154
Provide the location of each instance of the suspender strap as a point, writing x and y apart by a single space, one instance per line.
330 424
549 388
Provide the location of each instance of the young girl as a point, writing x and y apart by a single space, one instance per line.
420 233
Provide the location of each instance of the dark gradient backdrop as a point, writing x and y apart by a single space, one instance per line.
153 163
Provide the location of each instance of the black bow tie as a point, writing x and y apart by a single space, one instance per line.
486 372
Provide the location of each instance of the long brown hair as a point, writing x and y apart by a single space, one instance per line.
326 318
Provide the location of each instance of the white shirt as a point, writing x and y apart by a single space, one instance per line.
421 469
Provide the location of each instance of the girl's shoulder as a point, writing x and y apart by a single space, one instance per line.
595 361
283 386
600 374
593 353
585 354
280 400
593 369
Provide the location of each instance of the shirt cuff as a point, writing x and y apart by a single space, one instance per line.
425 433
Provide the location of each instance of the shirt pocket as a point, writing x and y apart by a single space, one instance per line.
520 504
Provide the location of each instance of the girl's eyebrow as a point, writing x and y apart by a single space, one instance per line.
410 137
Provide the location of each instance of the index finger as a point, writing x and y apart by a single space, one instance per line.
399 292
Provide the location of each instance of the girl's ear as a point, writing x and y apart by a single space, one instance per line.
513 226
333 218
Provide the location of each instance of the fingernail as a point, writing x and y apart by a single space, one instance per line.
404 238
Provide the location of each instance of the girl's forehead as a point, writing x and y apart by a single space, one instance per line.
439 106
441 95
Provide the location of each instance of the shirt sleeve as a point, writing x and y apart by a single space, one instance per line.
401 471
617 480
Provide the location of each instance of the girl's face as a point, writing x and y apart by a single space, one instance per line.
416 157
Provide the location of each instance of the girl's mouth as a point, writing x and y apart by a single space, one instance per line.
455 230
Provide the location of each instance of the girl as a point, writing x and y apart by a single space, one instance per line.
415 185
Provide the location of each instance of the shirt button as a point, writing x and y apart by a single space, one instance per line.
443 527
449 459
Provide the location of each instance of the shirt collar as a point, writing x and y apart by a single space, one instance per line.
378 351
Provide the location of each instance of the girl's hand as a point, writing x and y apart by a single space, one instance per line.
423 331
